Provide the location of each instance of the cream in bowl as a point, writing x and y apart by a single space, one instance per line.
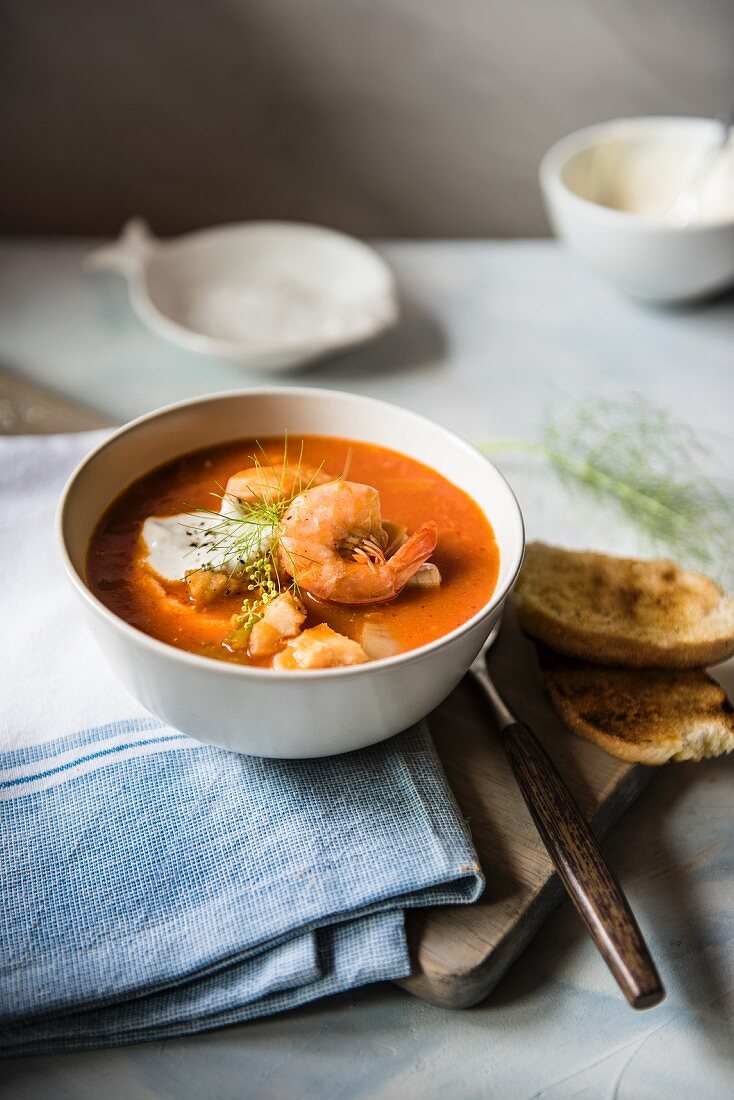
648 203
289 572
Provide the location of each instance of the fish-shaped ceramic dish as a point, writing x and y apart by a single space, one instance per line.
269 295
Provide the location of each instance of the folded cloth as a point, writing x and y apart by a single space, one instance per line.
153 886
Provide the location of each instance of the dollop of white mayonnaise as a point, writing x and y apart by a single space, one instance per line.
198 540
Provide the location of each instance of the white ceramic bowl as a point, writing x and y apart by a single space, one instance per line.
259 711
644 253
267 295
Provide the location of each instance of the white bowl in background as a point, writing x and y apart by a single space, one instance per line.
267 295
641 165
261 711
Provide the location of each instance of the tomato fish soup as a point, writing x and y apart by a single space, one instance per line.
294 553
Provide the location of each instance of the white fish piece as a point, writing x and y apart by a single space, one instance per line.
377 641
427 576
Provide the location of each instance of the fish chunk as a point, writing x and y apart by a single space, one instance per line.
427 576
207 585
320 647
282 619
286 613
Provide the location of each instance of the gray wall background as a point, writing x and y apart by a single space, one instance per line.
382 117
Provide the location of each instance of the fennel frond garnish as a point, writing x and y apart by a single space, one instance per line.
652 467
265 581
247 540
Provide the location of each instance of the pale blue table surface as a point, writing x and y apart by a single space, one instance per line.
493 334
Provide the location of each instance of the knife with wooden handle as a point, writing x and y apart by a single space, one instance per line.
574 850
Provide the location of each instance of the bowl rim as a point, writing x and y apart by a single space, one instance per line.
200 342
246 672
557 157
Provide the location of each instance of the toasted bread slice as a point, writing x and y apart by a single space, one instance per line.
622 611
643 716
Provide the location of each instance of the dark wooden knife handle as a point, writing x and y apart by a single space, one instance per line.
583 869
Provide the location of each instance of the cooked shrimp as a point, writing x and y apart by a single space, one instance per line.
332 543
265 484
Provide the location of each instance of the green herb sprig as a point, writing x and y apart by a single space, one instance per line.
264 580
652 467
239 539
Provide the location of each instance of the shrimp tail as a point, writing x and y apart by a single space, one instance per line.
416 549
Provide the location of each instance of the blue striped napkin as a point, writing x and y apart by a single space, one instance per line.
154 886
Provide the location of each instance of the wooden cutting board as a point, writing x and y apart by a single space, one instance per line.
33 410
461 952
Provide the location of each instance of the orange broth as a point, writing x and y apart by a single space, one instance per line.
410 493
